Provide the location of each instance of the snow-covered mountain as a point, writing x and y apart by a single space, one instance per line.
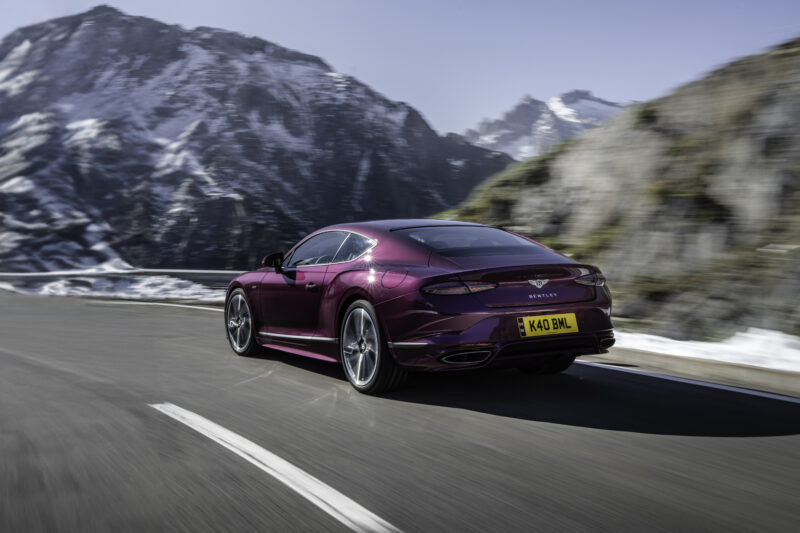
531 126
125 138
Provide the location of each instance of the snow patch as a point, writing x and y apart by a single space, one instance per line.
147 288
17 185
341 81
118 285
584 111
37 120
178 156
25 143
755 347
18 83
9 240
489 138
561 111
14 59
88 128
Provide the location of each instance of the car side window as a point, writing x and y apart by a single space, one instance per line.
353 247
317 250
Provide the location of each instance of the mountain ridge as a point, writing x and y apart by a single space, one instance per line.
531 125
165 147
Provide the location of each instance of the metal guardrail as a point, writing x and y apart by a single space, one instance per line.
212 278
121 272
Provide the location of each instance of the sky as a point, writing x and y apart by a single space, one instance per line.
458 62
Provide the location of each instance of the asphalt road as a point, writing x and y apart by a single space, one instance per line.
590 450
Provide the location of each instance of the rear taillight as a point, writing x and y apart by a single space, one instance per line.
458 287
596 280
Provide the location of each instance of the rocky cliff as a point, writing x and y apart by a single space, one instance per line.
690 203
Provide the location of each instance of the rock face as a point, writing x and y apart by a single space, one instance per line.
122 137
532 126
690 203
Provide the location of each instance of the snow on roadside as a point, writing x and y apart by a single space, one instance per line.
126 288
755 347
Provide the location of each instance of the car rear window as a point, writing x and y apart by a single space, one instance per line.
353 247
461 241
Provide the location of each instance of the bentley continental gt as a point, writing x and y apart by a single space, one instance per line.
388 297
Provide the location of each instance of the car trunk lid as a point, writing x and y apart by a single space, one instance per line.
533 285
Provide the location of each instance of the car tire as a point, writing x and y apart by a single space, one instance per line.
239 325
363 352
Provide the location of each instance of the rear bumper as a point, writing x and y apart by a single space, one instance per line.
463 356
433 334
475 340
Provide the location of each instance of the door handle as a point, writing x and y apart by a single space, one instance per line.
311 287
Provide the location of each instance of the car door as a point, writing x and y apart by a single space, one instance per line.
291 298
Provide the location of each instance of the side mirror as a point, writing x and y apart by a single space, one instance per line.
273 260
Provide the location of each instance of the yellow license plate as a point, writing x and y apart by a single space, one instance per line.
531 326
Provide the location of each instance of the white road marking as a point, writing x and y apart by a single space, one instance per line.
336 504
128 302
751 392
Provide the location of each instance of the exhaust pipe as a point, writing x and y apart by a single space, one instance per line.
467 358
606 343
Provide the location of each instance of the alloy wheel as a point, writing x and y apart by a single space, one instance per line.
360 347
239 323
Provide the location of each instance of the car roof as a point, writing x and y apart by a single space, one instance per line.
401 223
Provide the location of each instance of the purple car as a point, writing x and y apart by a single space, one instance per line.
392 296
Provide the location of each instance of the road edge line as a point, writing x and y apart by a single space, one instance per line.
688 381
163 304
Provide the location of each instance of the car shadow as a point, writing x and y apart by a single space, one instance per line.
592 397
602 398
